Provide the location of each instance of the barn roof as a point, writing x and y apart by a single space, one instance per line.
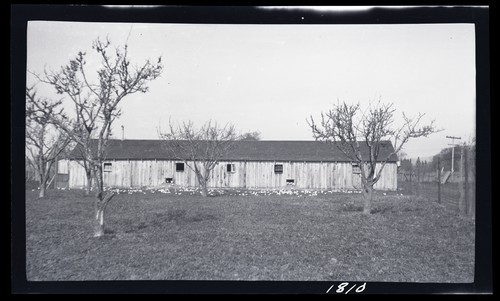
263 150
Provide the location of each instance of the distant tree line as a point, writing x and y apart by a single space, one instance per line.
408 165
444 156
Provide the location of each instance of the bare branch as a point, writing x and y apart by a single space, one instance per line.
96 104
44 142
205 145
344 124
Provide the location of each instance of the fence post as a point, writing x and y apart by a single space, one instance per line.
418 173
466 180
410 178
461 200
418 178
471 171
439 180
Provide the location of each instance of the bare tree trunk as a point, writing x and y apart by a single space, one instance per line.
98 220
98 208
89 182
89 187
367 197
41 193
202 181
42 186
44 174
204 190
203 185
101 202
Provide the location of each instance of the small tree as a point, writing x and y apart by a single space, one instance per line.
250 136
199 149
418 166
44 142
96 105
351 127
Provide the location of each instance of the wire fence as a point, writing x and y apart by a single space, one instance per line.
451 184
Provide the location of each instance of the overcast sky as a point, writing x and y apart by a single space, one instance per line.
270 78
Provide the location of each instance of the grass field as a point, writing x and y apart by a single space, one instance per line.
314 237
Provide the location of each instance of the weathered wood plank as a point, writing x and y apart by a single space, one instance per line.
252 174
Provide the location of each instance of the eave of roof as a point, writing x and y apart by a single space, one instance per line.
264 150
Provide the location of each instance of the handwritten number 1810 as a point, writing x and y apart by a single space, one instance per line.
342 287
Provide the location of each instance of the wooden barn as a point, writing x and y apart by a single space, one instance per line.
249 164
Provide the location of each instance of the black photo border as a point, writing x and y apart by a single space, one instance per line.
21 14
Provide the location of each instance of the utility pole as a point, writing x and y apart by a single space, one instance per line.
453 149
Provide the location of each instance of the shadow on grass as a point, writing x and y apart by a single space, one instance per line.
358 208
350 207
183 217
160 220
380 209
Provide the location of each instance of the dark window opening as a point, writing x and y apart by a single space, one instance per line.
290 182
169 180
278 168
355 168
179 166
231 168
107 166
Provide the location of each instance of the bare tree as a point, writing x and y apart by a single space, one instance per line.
44 142
96 107
351 127
199 149
30 173
250 136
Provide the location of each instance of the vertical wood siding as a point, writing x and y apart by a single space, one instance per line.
63 166
251 174
77 177
389 178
